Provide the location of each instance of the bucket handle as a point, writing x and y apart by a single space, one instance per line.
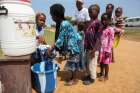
3 10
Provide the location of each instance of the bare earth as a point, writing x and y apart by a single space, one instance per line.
124 74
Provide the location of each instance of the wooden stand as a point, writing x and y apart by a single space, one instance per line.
15 74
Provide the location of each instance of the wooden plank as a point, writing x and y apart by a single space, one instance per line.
15 74
17 58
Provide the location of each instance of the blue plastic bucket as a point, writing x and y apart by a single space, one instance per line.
45 82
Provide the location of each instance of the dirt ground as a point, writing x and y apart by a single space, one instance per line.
124 76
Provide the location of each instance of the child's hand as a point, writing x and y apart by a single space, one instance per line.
107 54
53 46
41 40
81 26
49 51
92 53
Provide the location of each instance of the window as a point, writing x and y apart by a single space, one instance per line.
137 19
131 20
126 20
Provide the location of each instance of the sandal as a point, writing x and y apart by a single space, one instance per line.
99 75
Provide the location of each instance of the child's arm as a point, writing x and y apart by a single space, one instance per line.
98 37
110 38
61 37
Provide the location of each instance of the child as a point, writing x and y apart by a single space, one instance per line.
67 38
92 43
81 27
105 57
119 22
81 19
119 25
109 11
40 25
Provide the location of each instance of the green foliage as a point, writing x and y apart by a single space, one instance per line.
53 25
68 18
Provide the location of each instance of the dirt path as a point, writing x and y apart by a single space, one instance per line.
124 74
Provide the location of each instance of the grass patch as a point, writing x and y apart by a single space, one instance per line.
132 34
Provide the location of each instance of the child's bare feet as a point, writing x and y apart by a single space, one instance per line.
101 78
71 82
106 78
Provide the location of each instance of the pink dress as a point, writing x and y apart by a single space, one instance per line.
106 45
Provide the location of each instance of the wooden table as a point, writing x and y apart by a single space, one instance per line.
15 74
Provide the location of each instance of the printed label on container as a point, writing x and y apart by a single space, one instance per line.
25 26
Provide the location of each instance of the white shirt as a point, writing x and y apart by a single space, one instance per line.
82 15
40 33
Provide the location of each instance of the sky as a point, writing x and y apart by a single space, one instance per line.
131 8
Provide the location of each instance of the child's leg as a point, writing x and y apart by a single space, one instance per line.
106 71
113 60
87 59
102 69
74 78
72 75
92 68
93 65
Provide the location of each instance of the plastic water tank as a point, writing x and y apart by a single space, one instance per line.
17 27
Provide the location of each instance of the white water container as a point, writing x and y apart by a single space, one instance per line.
17 27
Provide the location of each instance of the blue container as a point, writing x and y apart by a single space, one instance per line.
45 81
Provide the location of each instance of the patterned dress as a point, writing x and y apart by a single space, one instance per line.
106 45
69 39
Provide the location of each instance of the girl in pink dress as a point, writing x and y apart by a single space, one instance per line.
105 57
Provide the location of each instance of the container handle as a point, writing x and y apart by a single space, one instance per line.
3 10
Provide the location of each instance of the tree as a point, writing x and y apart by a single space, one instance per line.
53 25
68 18
125 17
